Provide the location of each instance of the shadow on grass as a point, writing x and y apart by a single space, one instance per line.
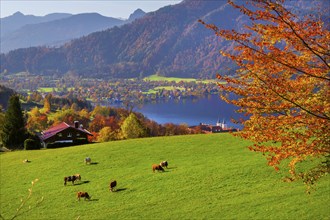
82 182
88 200
165 171
120 189
79 183
93 163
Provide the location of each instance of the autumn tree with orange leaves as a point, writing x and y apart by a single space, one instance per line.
282 84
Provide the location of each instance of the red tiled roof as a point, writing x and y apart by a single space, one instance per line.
83 130
58 128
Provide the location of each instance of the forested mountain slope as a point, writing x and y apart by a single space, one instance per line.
169 41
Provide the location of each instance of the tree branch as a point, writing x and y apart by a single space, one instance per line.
287 99
301 39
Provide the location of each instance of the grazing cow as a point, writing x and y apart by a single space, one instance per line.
164 163
78 176
88 160
113 184
69 178
157 167
83 195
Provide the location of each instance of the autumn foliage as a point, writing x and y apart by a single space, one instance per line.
282 83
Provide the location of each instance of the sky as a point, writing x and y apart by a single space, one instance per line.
109 8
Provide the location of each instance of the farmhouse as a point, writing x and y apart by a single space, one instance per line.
65 134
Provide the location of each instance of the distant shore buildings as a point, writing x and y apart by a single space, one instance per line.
219 127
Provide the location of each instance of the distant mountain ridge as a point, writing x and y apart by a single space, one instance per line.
169 42
18 20
21 31
138 13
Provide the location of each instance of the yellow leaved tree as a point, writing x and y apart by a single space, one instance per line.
282 84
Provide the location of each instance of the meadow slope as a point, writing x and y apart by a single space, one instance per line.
209 177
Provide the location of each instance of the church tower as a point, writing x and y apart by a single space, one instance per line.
218 123
223 124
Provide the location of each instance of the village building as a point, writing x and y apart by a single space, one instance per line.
65 135
222 125
219 127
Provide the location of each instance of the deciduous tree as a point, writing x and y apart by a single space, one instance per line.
47 105
106 134
100 110
133 128
66 115
37 121
282 83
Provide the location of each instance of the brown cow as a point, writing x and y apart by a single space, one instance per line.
70 178
157 167
113 184
83 195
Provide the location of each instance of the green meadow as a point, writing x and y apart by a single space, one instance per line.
51 89
158 88
176 79
164 78
46 89
209 177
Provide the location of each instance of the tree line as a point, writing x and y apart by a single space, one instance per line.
108 91
105 123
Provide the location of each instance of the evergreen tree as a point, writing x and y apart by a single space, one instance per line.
132 127
2 120
14 132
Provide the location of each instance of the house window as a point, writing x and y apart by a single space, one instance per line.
77 134
69 135
59 134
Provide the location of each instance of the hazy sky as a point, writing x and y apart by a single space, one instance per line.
110 8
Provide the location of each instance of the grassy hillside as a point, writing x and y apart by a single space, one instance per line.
209 177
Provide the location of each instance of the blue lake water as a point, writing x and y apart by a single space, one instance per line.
208 110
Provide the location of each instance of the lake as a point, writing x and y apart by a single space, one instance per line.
208 110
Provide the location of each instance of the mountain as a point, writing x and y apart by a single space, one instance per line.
138 13
169 41
18 20
59 31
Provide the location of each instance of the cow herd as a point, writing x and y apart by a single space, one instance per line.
113 183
